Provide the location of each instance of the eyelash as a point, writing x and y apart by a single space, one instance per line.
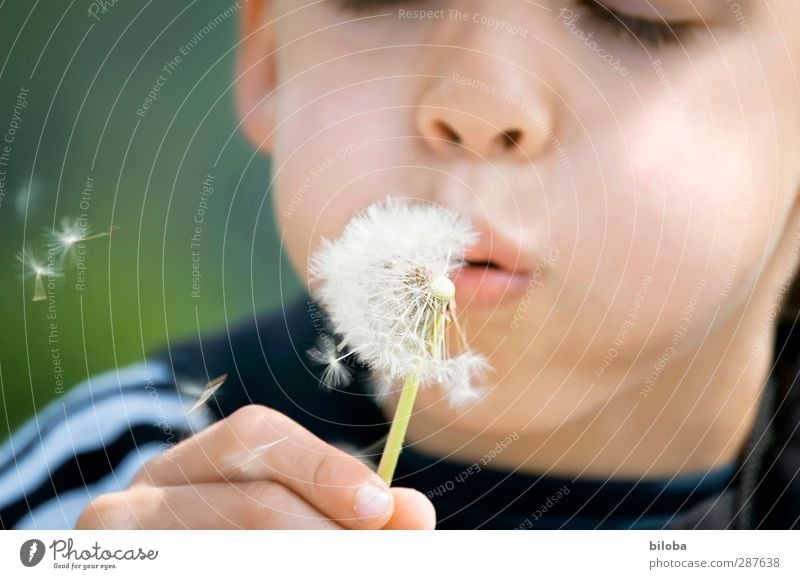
364 5
650 32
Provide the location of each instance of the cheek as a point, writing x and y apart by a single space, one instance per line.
328 163
339 152
670 201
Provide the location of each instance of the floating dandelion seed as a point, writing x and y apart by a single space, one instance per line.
385 285
73 231
207 392
326 353
61 245
37 268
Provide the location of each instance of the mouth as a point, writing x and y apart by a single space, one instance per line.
487 285
474 263
496 272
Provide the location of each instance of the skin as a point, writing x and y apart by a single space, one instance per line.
256 469
681 178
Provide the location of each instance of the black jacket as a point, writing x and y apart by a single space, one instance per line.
94 439
266 364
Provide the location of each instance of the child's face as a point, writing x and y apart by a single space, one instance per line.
651 185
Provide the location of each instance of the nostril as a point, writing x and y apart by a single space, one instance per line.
510 138
444 131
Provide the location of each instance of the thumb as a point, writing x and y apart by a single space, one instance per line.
412 510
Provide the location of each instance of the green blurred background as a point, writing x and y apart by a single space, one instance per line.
88 67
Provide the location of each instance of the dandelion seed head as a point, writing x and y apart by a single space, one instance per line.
385 285
443 289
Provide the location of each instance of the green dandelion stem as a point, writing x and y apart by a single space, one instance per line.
405 406
397 431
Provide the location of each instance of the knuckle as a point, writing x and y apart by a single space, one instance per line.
255 424
242 419
102 512
324 467
333 467
90 517
144 505
265 502
247 414
268 493
131 509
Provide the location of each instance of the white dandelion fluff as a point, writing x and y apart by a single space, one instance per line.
65 241
62 248
336 374
38 269
385 286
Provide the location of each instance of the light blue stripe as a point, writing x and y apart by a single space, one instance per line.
98 384
91 426
62 512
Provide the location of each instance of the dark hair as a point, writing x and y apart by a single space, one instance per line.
787 341
776 422
786 357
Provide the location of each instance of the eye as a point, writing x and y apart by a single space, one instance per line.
364 5
654 33
651 32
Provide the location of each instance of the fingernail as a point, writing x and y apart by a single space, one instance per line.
372 501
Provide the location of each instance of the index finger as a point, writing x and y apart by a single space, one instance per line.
260 443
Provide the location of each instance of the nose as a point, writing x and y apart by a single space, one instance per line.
477 112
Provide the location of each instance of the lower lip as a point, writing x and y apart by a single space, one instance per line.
485 287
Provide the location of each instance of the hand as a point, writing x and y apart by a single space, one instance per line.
257 469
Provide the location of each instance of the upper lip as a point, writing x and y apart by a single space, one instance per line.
500 250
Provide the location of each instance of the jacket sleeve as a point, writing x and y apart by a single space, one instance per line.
89 442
